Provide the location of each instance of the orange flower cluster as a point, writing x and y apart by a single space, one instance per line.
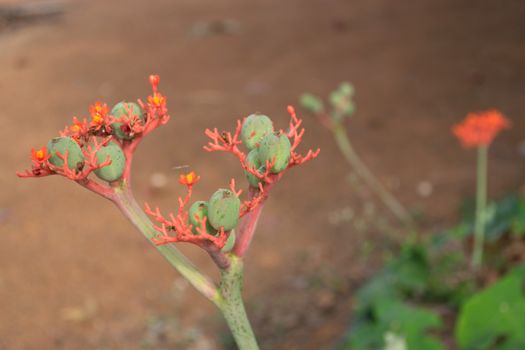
480 128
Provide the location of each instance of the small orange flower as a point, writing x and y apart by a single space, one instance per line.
39 155
480 129
77 126
98 112
157 100
189 179
97 119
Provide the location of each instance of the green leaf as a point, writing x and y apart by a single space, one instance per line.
518 223
504 216
496 313
410 322
393 317
407 274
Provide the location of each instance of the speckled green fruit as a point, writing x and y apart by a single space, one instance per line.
200 209
223 209
254 128
121 109
113 171
275 146
252 160
75 157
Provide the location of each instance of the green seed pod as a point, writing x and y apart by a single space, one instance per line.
252 160
230 242
200 209
121 109
223 209
254 128
75 157
312 103
113 171
275 146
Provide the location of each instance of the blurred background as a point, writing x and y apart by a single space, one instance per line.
74 274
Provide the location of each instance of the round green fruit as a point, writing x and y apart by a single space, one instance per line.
120 110
200 209
75 157
275 146
252 160
223 209
254 128
113 171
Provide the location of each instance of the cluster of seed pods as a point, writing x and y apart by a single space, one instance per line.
104 145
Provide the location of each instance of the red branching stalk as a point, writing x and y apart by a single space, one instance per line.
92 135
176 228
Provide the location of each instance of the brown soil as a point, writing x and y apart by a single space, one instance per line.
74 274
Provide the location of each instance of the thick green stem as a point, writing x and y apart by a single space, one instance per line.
481 203
232 305
366 175
124 199
228 298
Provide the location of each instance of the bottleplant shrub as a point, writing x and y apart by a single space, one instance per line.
105 145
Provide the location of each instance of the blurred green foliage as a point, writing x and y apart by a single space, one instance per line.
341 101
425 282
495 317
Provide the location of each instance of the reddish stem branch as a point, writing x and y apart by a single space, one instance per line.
246 228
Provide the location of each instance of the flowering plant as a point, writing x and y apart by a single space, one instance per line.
478 130
97 154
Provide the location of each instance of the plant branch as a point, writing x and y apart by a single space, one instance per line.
364 173
126 202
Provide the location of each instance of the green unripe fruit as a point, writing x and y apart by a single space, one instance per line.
230 242
113 171
254 128
252 160
75 157
223 209
275 146
120 110
200 209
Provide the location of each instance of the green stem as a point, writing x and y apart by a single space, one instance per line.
228 298
124 199
481 203
232 305
364 173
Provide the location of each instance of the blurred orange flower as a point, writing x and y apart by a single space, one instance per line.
189 179
480 128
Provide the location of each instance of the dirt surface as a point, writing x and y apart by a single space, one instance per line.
74 274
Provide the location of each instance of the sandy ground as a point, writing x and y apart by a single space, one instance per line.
73 272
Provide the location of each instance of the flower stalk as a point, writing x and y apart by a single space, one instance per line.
232 306
478 130
351 156
343 107
481 204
